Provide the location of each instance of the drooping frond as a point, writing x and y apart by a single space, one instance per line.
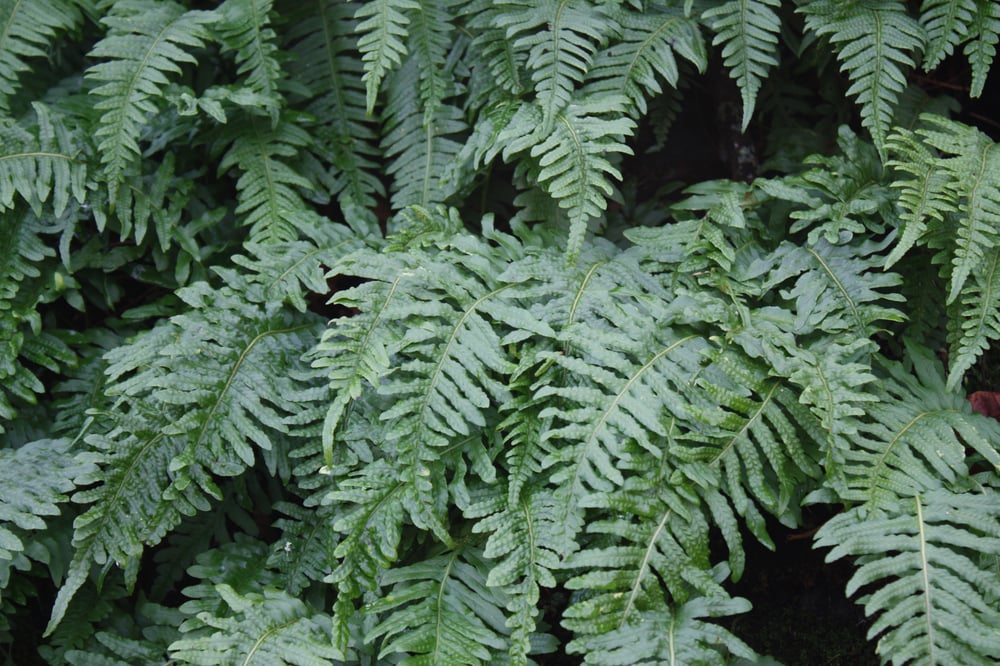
269 627
244 28
323 41
975 318
147 41
440 612
35 480
749 30
382 34
643 54
928 560
947 25
269 186
560 38
575 159
876 40
981 48
41 163
421 148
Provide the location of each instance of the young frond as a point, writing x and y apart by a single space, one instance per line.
926 559
40 163
147 41
876 40
644 53
269 626
244 28
440 611
748 31
382 34
560 38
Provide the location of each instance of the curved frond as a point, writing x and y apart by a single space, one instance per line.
947 25
981 48
748 31
244 28
876 40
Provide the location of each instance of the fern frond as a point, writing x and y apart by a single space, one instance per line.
35 480
919 440
947 24
421 148
981 48
145 44
560 38
440 611
926 197
523 540
748 31
268 185
382 34
244 28
40 163
270 626
574 160
430 40
974 170
876 40
644 53
304 554
932 598
662 634
27 29
975 320
323 43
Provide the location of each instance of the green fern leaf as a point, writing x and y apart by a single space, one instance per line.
749 30
244 28
304 554
876 40
40 163
144 45
522 544
421 149
268 184
560 38
644 53
27 29
323 43
925 198
976 320
933 600
981 48
382 33
35 480
439 611
920 439
271 627
947 25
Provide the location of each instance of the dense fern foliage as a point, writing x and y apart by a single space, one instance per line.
420 332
